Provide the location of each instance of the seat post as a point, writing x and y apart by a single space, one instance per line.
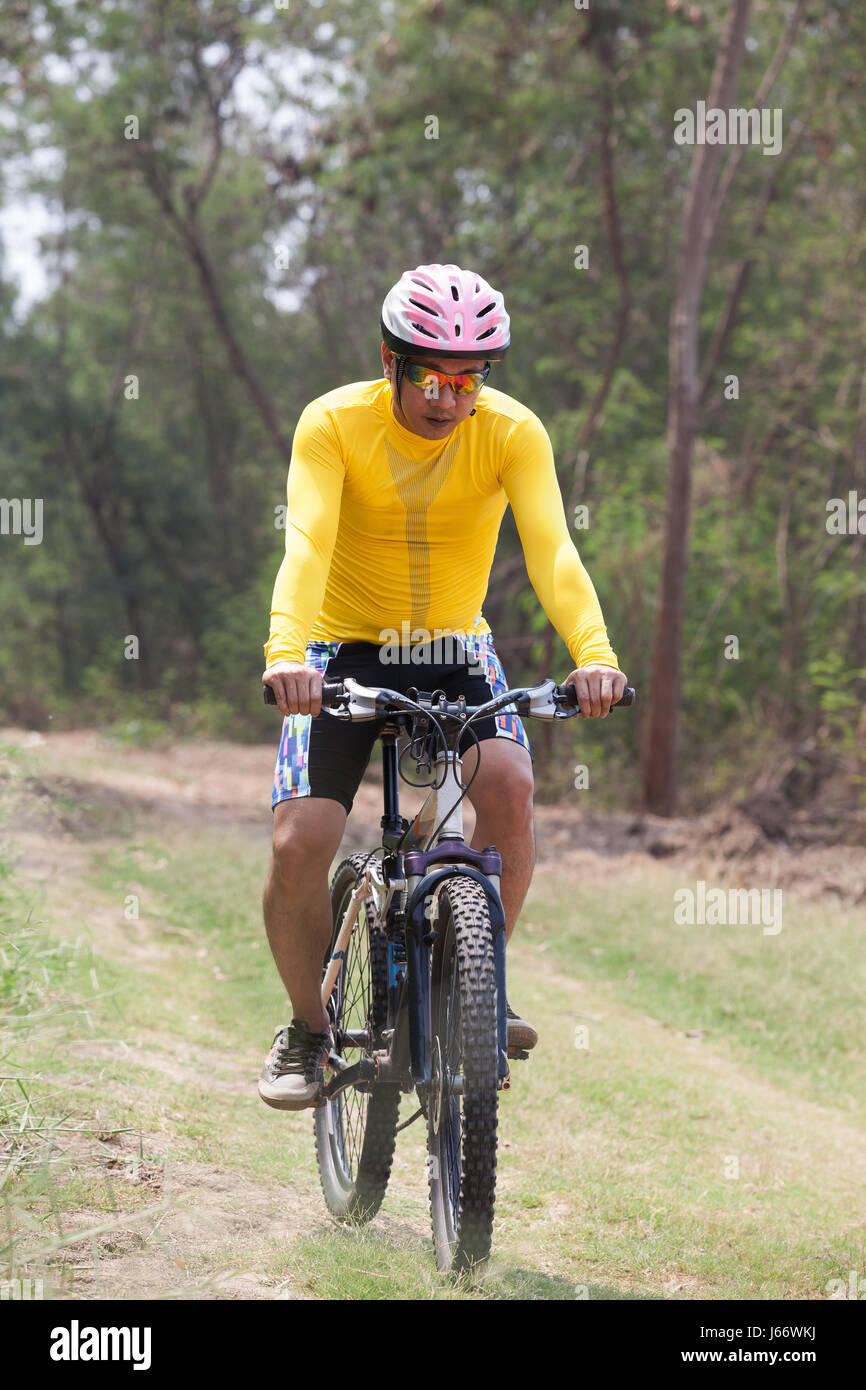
393 824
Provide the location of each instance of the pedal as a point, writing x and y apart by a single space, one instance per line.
518 1054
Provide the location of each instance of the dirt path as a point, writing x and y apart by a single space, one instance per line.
213 1228
69 797
228 785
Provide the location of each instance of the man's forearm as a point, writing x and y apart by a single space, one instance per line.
297 600
568 597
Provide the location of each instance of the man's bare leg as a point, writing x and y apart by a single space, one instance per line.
502 798
517 847
296 902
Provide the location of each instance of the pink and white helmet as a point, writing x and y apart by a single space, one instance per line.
445 311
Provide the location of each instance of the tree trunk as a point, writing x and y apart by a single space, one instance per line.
659 752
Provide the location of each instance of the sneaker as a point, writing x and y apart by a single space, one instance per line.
521 1034
291 1077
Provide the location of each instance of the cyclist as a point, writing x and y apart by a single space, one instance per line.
396 492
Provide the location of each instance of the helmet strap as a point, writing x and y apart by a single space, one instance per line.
398 381
399 372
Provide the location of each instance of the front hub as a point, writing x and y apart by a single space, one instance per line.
437 1082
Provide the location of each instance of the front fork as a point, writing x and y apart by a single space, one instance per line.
420 936
501 1004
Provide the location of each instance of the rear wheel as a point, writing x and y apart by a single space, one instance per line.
462 1111
356 1131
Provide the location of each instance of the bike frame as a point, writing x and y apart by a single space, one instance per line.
425 873
418 877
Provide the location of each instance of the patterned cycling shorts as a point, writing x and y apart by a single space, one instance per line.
328 757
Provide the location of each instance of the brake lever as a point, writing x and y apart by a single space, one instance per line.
369 702
540 705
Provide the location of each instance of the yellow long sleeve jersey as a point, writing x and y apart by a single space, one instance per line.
384 527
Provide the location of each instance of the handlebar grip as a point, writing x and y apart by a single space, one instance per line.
570 692
331 692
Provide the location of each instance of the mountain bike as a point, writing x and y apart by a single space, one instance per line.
414 978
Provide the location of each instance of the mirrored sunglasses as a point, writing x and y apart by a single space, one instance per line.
432 382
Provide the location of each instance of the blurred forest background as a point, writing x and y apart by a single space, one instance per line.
232 188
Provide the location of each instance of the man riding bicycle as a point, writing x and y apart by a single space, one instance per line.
396 493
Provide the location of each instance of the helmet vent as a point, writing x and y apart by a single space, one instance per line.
485 310
419 327
428 308
455 294
486 334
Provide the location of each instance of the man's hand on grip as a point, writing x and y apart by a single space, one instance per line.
298 688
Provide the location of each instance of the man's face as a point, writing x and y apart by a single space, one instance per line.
432 418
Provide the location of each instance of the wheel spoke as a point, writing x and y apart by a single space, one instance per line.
454 1066
356 1131
352 1007
352 1001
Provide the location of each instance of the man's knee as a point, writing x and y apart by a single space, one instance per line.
507 801
307 834
521 784
507 782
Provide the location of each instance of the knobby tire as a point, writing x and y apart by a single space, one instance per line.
462 1153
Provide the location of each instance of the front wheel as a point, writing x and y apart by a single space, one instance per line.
462 1109
356 1131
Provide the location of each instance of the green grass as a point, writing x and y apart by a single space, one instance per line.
371 1264
615 1158
791 1005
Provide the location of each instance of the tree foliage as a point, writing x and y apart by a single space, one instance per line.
232 256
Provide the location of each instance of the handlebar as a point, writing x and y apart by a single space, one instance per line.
332 693
347 699
569 694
